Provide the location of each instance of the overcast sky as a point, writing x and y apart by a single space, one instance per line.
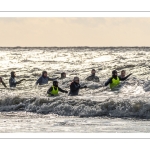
75 31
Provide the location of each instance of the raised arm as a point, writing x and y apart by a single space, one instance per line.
122 79
52 79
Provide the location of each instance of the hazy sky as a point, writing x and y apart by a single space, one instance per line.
75 31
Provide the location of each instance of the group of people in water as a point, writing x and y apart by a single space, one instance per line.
75 86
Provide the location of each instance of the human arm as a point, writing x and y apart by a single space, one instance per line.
83 87
52 79
122 79
18 82
3 83
108 81
61 90
49 90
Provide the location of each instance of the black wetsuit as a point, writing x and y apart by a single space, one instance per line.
3 82
13 82
92 78
120 78
61 78
74 88
44 80
124 78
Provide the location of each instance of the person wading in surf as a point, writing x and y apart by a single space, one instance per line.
63 75
123 75
44 79
75 86
93 77
1 81
12 80
53 90
114 80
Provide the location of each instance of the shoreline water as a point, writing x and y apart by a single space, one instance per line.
126 108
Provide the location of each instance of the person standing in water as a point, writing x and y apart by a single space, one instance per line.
123 75
93 77
44 79
12 80
114 80
1 81
75 86
53 90
63 75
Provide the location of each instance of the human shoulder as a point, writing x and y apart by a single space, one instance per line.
119 76
89 77
40 78
96 77
10 78
110 79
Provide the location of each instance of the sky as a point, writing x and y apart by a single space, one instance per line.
78 31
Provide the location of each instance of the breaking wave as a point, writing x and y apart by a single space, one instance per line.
138 106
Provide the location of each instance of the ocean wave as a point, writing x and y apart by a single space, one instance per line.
138 107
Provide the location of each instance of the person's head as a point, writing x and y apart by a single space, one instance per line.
114 73
13 74
55 83
44 73
93 72
0 79
123 73
76 79
63 75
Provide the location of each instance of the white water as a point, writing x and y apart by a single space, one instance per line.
97 109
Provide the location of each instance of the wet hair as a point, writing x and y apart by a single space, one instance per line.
114 71
123 71
93 70
44 72
76 78
12 73
62 74
55 82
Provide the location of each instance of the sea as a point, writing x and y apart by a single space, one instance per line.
97 109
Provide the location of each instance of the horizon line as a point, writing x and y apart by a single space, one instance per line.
67 46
